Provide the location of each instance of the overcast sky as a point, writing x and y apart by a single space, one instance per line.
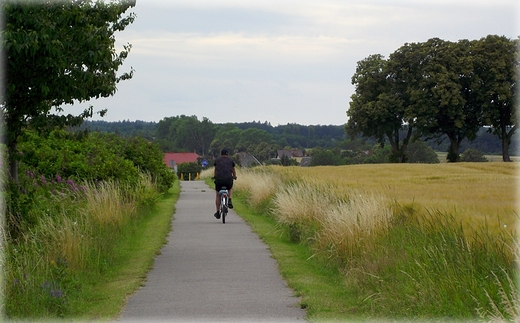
283 61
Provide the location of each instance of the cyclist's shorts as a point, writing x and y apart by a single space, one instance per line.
228 183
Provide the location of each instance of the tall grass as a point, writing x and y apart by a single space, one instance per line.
400 257
70 245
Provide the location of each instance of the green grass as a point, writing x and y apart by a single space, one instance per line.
71 266
135 254
321 288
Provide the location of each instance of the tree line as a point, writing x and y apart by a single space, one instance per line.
437 89
188 133
328 145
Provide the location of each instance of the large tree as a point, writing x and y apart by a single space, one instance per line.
377 108
496 64
445 93
58 52
194 135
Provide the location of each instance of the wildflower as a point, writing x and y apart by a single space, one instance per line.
58 178
45 285
56 292
44 181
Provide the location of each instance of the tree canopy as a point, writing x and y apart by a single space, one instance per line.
58 52
436 89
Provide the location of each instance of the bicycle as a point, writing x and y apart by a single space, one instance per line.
223 203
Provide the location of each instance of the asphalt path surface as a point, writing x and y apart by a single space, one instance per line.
212 272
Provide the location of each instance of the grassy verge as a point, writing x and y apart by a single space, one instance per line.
87 252
320 288
135 254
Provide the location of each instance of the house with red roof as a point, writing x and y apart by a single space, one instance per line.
173 159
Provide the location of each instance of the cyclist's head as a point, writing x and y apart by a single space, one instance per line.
224 152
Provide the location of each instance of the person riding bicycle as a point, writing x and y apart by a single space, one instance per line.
224 174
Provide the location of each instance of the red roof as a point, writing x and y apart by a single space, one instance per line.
172 159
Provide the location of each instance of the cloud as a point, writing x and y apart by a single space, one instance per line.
278 61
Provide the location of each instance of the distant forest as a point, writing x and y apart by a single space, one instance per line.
303 136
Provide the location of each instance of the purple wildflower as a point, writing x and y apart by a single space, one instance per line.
56 292
45 285
58 178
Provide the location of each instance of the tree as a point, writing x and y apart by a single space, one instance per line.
58 52
497 66
377 108
193 134
227 136
322 157
252 137
444 93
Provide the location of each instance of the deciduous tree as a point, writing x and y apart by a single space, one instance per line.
58 52
377 108
497 64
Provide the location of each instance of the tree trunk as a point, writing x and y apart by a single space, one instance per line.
506 141
406 140
505 150
393 138
453 150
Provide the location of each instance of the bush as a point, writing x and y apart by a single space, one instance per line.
321 157
420 152
380 155
187 170
96 156
473 155
92 157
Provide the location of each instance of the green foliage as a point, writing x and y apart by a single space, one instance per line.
76 194
420 152
187 170
497 66
95 156
50 64
321 157
379 155
437 89
125 128
148 158
473 155
288 161
186 133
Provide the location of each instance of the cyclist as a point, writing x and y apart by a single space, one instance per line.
224 174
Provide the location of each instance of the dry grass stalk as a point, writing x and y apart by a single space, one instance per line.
104 204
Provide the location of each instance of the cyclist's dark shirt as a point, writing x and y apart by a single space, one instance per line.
224 167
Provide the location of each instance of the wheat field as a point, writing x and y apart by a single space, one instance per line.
476 193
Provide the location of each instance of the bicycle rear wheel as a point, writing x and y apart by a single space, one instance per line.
223 209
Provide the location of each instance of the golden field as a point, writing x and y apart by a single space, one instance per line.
475 193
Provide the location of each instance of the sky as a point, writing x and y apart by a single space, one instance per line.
283 61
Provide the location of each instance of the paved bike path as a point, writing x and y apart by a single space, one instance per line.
210 271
